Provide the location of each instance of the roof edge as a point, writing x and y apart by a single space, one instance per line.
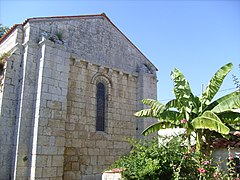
103 14
9 32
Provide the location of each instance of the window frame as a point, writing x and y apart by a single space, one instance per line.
101 101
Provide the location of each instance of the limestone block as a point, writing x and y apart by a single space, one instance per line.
57 160
38 171
68 142
56 178
60 172
60 141
75 166
49 172
93 151
70 126
69 175
104 151
42 161
117 145
67 166
76 143
49 150
43 140
58 132
57 114
101 144
83 151
70 151
93 160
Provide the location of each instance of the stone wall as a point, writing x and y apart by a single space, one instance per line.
89 152
9 87
48 134
48 97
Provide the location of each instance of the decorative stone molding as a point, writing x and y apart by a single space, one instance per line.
100 77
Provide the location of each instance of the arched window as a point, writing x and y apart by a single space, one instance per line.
101 104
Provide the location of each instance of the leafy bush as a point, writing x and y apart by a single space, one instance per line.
151 160
155 161
3 59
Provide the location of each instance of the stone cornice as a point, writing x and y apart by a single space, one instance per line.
101 67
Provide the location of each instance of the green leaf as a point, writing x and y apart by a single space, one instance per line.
172 104
147 113
156 127
230 118
210 121
156 108
215 84
154 104
231 103
221 99
171 115
182 90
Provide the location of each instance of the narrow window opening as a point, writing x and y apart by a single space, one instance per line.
101 98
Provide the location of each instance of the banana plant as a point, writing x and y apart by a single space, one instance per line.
196 114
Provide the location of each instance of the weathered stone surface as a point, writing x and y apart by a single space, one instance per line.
48 97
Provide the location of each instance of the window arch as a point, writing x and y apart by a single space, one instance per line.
103 86
101 107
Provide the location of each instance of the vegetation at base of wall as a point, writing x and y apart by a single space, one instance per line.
170 161
3 59
202 116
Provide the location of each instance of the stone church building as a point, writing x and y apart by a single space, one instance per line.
69 88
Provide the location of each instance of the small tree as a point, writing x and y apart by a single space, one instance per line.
196 114
3 30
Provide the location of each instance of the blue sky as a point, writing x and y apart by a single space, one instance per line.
197 37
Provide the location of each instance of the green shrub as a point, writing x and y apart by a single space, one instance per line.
154 161
3 59
151 160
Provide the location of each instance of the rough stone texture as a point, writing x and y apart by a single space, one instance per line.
48 97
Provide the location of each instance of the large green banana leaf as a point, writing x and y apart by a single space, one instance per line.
210 121
232 103
154 104
172 104
156 108
174 116
157 126
182 90
169 115
147 113
231 119
221 99
215 84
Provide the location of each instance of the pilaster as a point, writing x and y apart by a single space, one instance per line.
146 88
48 135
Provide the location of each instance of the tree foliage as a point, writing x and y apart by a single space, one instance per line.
3 30
196 114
